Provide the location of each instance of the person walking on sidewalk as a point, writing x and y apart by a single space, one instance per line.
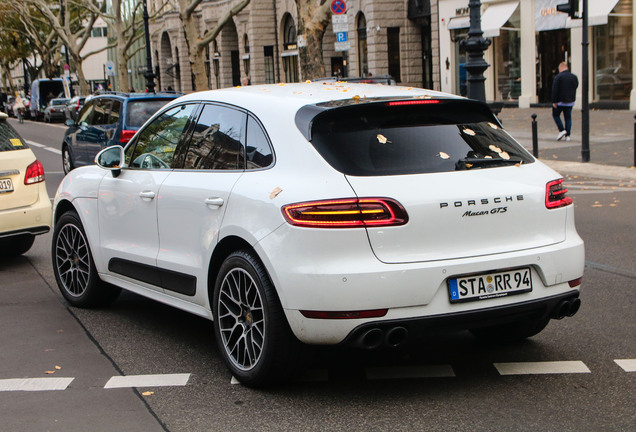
18 108
563 96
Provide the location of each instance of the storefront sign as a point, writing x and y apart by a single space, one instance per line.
546 16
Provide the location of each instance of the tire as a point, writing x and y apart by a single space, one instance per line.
67 160
16 246
511 332
251 330
74 268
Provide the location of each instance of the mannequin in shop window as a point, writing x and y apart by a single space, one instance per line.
563 96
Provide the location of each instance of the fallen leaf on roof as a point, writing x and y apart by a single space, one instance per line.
504 155
444 155
469 132
382 139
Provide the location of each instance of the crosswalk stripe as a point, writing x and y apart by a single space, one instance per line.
162 380
428 371
628 365
540 368
34 384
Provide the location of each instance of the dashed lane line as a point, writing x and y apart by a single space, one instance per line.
541 368
34 384
628 365
42 146
164 380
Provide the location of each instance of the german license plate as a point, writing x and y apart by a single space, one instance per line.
6 185
490 285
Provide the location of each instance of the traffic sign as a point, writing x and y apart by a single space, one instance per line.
340 27
342 46
338 7
341 36
339 19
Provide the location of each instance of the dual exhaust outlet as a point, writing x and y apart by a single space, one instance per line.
566 308
376 337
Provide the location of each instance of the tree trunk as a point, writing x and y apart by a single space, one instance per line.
313 19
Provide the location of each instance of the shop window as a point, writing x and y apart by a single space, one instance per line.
363 62
613 57
393 48
507 49
268 51
290 55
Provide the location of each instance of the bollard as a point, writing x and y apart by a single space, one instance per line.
535 138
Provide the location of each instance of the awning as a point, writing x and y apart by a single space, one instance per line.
597 13
461 22
496 16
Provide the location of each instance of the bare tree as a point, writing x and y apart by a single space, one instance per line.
313 19
196 40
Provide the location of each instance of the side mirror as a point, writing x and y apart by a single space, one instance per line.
111 158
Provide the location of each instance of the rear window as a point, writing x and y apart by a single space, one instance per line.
138 111
381 139
9 138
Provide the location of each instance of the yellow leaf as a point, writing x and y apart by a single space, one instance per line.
444 155
49 372
148 393
504 155
274 193
469 165
58 367
469 132
382 139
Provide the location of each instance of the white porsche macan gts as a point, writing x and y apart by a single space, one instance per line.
319 213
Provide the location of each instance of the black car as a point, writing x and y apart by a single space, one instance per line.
105 120
73 107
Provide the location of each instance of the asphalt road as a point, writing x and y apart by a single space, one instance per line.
577 375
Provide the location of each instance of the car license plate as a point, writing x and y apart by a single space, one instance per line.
490 285
6 185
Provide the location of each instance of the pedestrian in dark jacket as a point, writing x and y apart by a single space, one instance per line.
563 96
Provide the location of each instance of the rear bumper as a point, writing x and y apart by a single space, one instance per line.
394 332
34 219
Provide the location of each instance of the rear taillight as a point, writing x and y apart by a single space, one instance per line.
346 213
375 313
555 195
34 173
126 135
413 102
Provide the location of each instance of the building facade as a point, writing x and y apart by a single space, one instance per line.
529 40
260 45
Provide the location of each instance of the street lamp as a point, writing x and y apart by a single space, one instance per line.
149 74
475 45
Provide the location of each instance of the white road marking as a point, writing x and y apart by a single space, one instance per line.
234 381
628 365
34 384
540 368
148 380
45 147
428 371
53 150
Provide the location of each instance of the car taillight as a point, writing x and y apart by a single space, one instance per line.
346 213
555 195
126 136
375 313
34 173
413 102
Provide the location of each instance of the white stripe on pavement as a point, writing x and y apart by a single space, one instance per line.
428 371
42 146
148 380
628 365
34 384
53 150
540 368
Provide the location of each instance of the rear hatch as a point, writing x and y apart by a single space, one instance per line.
15 157
468 188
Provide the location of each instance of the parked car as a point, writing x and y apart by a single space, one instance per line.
25 207
73 107
351 214
107 119
55 109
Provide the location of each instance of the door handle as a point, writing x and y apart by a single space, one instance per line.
214 202
147 195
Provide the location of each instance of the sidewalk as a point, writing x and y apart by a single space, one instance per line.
611 141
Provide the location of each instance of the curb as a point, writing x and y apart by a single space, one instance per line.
611 172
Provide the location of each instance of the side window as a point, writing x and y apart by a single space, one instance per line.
155 147
115 109
86 115
258 150
217 140
100 116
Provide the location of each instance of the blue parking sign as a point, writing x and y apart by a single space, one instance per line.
341 36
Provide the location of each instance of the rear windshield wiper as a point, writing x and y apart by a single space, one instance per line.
468 163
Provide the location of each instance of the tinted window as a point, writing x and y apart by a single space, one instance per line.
9 138
86 114
100 114
155 147
258 151
217 140
139 111
377 139
115 109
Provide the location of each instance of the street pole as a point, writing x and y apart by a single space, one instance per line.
585 108
149 75
475 45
